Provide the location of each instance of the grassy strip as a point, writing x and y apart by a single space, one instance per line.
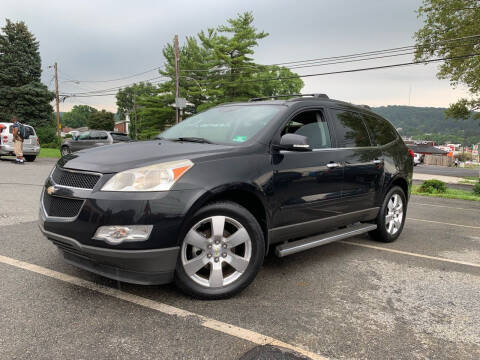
49 153
449 194
469 180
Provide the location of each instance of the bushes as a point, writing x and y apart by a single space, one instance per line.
476 189
46 135
433 187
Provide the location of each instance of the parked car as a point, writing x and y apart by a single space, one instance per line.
204 202
31 145
92 138
417 159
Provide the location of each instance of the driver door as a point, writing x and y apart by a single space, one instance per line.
307 185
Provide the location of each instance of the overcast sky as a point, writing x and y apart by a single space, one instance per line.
98 40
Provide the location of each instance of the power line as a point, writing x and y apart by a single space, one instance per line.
120 87
296 64
292 63
329 63
365 69
364 56
120 78
339 72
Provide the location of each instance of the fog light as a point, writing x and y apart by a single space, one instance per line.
117 234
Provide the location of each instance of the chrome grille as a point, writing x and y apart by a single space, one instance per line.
61 207
75 179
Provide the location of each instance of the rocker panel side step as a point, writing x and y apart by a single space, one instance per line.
322 239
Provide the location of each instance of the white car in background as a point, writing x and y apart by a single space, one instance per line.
417 159
31 145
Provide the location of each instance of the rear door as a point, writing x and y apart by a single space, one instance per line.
364 163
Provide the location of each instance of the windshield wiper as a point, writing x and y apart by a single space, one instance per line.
193 139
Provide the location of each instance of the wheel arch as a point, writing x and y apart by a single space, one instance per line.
245 195
402 183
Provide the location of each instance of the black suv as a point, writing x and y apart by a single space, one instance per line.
207 199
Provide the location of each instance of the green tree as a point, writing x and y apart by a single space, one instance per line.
232 46
128 100
21 92
78 116
445 21
101 120
290 83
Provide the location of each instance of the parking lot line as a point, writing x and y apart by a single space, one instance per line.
206 322
444 206
410 253
444 223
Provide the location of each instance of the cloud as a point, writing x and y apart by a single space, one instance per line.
94 40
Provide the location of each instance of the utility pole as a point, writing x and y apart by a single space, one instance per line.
135 113
57 99
178 117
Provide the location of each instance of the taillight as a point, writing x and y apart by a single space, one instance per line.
412 154
38 141
5 139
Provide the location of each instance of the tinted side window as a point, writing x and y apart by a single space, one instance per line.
381 130
350 129
30 131
313 126
102 135
84 136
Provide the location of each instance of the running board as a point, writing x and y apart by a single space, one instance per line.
322 239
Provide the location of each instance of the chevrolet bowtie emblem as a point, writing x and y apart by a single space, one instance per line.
50 190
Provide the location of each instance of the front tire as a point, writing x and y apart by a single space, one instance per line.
391 218
30 158
222 250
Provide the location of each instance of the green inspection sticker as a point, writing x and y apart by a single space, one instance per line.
239 138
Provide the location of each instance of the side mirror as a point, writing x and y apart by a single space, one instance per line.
293 142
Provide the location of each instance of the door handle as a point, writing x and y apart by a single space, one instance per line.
377 161
332 165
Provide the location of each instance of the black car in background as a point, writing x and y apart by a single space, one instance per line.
204 202
92 138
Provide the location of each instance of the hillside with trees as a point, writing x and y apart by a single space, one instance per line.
430 124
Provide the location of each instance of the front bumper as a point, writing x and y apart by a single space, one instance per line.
145 267
144 262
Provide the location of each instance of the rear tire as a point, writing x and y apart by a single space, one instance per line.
222 250
30 158
391 218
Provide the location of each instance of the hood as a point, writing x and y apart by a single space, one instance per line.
123 156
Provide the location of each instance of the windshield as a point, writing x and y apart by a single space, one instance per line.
227 124
120 136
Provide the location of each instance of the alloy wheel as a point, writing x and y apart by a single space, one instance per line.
394 216
216 251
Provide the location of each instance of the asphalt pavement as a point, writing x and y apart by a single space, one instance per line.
416 298
446 171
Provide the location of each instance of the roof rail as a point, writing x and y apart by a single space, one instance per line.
317 96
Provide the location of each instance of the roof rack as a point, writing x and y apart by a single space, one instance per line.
317 96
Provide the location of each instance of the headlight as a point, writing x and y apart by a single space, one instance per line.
159 177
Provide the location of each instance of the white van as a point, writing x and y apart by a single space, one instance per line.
31 145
